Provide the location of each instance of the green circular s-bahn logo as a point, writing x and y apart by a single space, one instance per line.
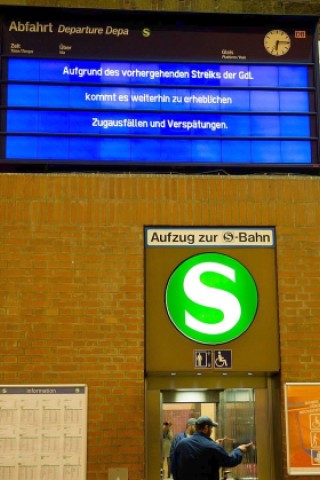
211 298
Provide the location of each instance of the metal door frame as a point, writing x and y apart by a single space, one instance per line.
268 433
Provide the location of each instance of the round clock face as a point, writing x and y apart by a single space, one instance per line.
277 42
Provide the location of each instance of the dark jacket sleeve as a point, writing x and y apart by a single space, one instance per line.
226 459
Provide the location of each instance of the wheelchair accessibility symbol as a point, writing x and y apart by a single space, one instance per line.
222 359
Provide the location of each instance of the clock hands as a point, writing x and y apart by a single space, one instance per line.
276 45
281 41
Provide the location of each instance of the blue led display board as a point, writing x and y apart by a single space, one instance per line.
158 89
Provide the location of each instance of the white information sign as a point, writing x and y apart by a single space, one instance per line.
43 432
208 237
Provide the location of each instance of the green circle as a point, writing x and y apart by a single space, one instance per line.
211 298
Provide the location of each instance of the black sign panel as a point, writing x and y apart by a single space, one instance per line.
158 36
158 89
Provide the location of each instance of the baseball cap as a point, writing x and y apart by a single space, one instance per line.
191 421
206 421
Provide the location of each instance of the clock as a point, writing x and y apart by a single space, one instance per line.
277 42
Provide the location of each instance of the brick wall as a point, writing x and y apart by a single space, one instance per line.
282 7
72 283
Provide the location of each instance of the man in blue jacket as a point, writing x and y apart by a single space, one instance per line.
199 457
190 429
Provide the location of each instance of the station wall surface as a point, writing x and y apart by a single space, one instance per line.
72 283
286 7
72 268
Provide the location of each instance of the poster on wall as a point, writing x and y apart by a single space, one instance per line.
43 432
302 404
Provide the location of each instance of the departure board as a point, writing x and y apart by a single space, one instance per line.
158 89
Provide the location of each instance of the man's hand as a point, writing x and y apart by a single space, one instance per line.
244 446
221 440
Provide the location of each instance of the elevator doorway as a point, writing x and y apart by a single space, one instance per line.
233 409
245 409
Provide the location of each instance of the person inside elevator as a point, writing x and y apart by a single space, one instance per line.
189 430
199 457
167 437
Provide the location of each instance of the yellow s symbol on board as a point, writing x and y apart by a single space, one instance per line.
146 32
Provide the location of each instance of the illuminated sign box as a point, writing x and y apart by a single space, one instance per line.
158 89
209 290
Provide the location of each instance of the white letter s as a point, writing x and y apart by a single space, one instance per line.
211 297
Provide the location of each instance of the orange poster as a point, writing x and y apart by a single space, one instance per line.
302 402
